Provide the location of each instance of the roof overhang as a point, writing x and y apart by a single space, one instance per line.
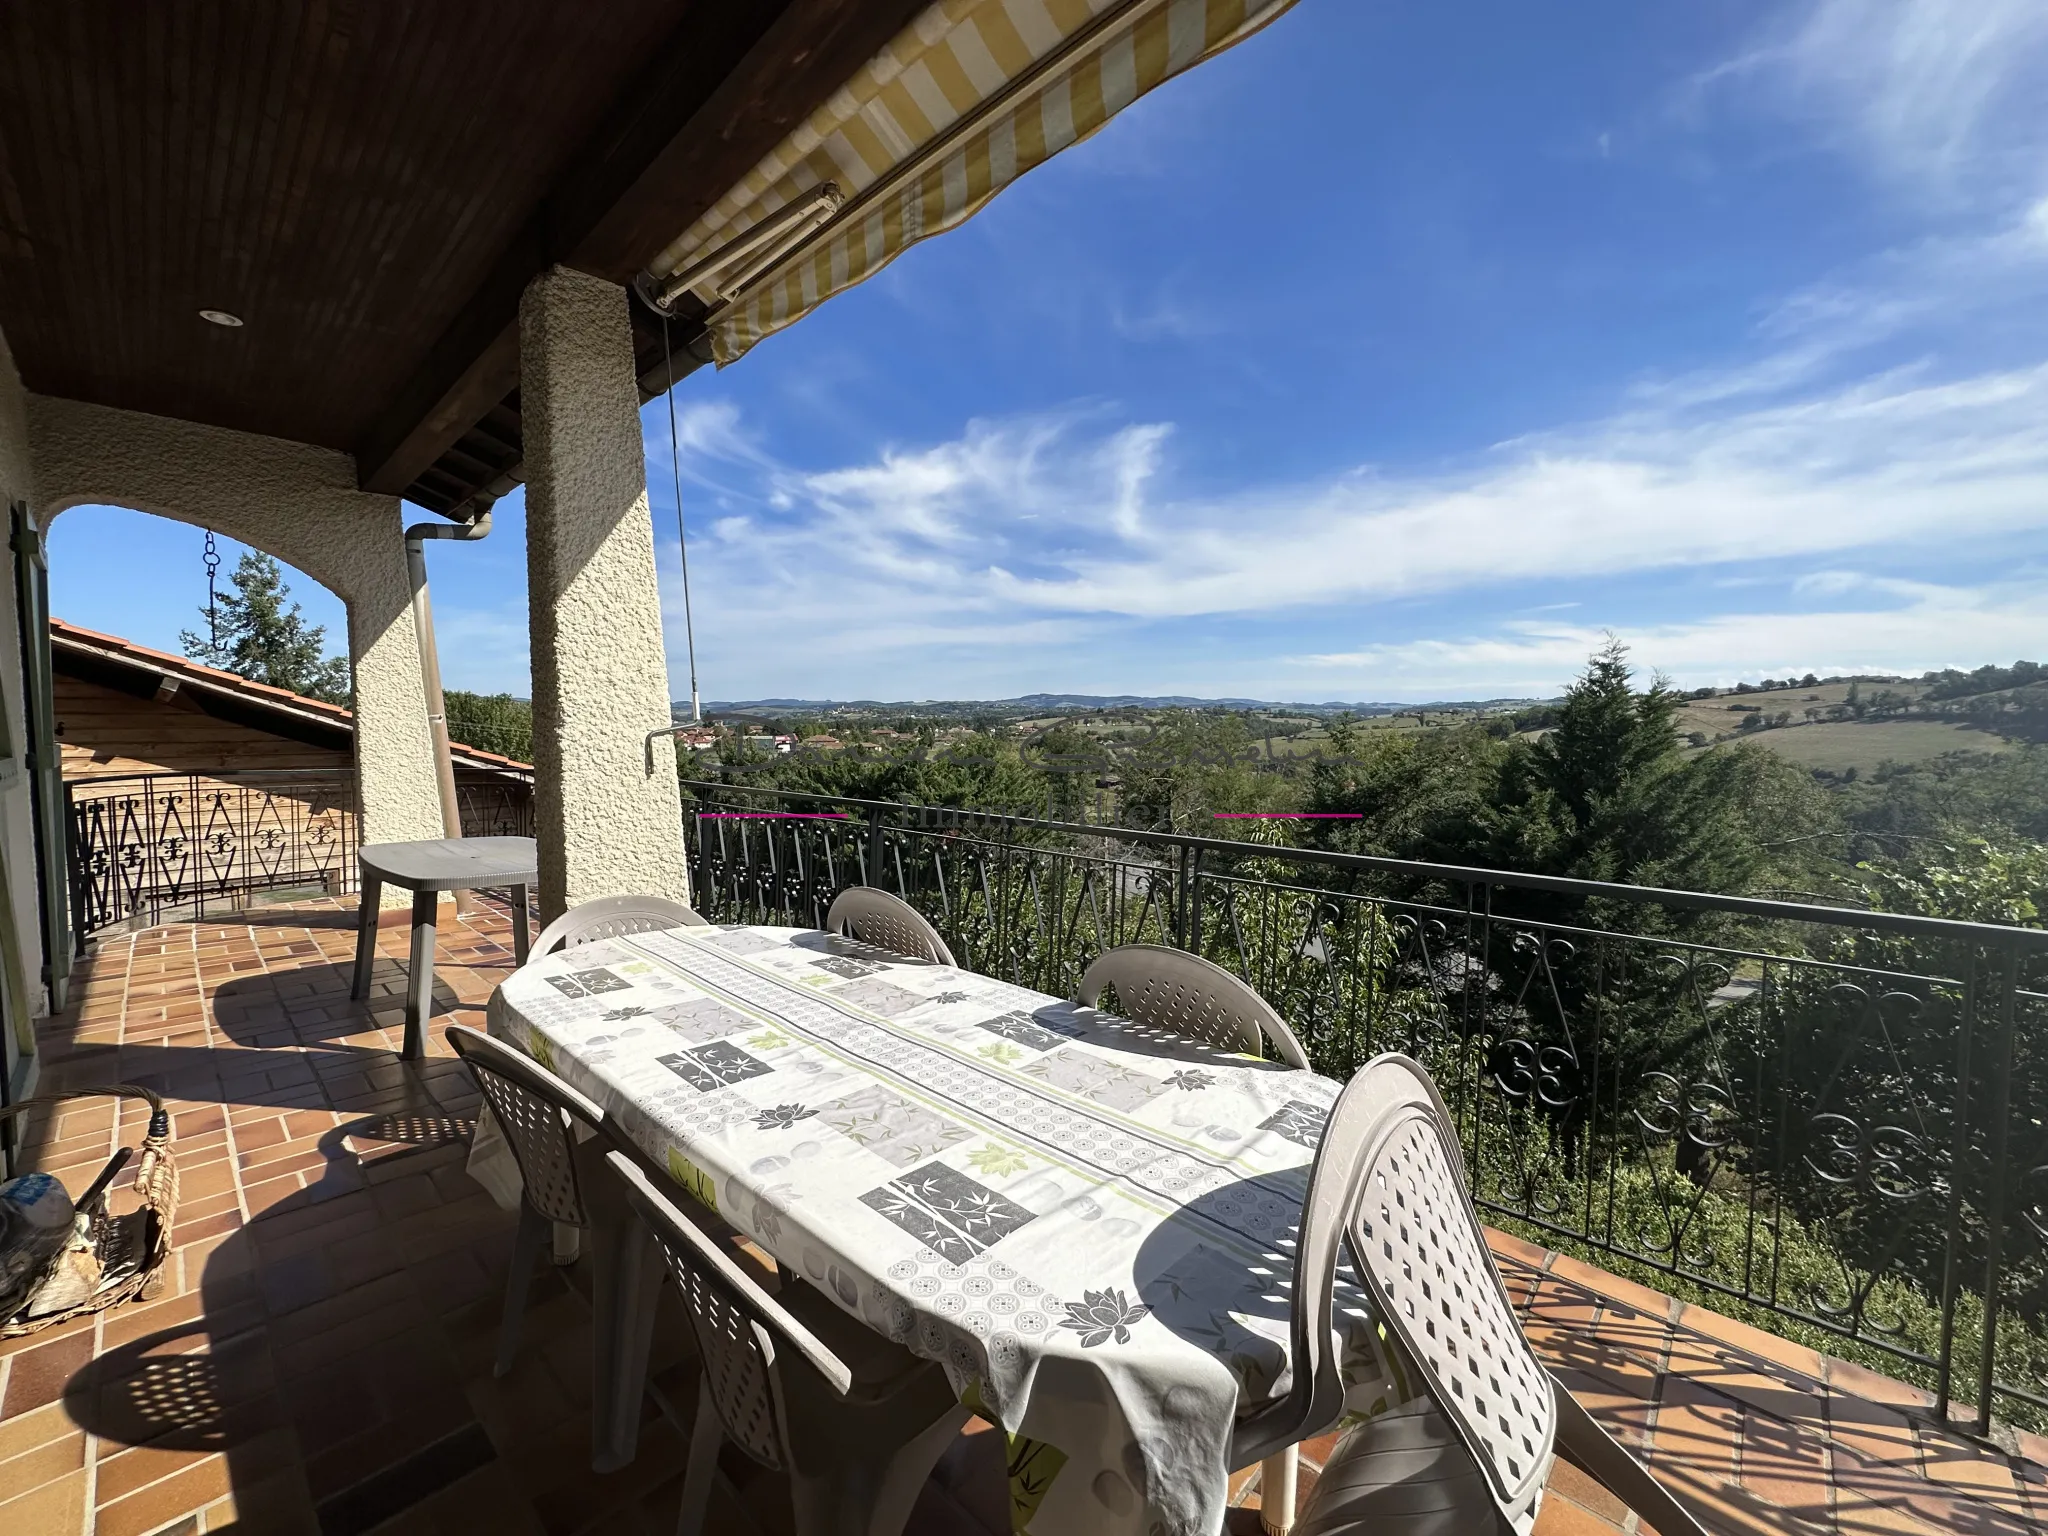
370 188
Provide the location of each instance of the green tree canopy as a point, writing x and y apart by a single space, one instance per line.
496 722
1606 794
264 637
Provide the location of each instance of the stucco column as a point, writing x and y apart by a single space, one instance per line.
600 674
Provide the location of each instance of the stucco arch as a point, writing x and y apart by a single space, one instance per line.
296 502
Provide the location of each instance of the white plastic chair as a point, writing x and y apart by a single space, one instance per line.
1183 994
613 917
1475 1454
565 1183
1271 1432
854 1421
887 922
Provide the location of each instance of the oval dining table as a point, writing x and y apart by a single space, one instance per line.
1089 1224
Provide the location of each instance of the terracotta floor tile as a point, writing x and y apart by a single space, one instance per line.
1786 1467
46 1463
1562 1516
54 1509
120 1471
22 1433
150 1508
36 1376
27 1341
135 1322
1570 1483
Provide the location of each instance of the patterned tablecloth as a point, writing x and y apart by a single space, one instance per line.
1083 1220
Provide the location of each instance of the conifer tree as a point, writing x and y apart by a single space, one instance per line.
264 637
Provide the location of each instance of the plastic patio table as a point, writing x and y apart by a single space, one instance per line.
427 868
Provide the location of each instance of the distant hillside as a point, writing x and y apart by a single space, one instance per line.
1044 703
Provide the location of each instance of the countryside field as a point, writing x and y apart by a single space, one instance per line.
1864 744
1724 712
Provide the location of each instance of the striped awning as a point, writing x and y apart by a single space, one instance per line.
969 97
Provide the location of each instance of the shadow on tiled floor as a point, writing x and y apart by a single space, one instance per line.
319 1359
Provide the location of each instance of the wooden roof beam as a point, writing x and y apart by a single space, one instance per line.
734 78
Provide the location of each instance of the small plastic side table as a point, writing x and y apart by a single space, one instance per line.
427 868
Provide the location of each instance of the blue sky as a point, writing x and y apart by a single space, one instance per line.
1397 354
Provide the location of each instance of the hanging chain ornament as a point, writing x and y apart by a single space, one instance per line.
212 592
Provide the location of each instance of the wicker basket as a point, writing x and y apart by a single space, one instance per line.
131 1248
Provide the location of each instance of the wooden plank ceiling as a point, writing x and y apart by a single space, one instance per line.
369 186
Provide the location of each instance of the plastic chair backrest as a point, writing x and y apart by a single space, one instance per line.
534 1108
613 917
1183 994
740 1328
887 922
1315 1397
1417 1242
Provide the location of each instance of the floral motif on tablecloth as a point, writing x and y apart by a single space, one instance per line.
1101 1315
1033 1464
700 1019
742 941
1300 1123
879 997
1105 1082
891 1126
1189 1080
714 1065
997 1160
783 1117
693 1179
848 966
953 1215
1021 1028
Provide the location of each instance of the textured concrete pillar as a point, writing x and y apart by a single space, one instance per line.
600 674
299 503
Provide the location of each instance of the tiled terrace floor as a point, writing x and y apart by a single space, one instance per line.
320 1358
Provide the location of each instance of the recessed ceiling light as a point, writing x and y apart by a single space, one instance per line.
220 317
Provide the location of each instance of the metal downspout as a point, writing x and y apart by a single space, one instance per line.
430 660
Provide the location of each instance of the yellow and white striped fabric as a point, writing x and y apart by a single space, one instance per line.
969 97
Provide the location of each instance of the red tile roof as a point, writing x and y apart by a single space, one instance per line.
185 667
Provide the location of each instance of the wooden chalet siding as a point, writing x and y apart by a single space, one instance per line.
183 781
103 731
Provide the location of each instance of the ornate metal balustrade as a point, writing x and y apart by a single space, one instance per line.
1835 1117
142 846
495 808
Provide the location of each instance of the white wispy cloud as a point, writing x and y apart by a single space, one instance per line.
1921 626
1064 532
1940 97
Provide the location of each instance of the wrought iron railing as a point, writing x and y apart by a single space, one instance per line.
495 808
143 846
1829 1119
